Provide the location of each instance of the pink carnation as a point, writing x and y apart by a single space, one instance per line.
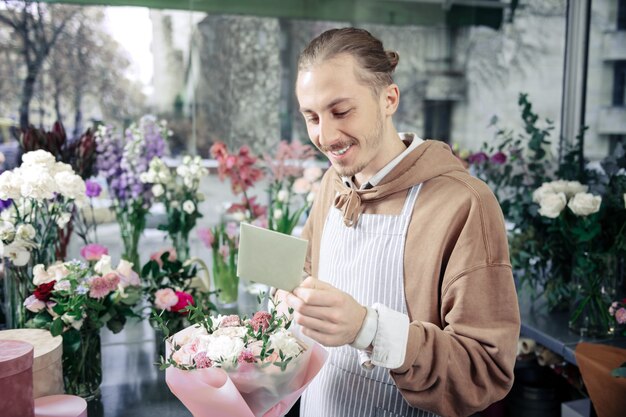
183 300
98 287
230 321
620 315
93 252
261 319
165 298
202 361
246 356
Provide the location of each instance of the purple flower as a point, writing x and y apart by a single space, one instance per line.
4 204
93 188
478 158
498 158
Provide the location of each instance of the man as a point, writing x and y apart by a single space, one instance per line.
410 283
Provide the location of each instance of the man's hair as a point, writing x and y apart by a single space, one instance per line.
375 64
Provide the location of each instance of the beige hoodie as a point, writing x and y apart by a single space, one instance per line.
459 287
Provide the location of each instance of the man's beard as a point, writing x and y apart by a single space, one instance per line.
366 144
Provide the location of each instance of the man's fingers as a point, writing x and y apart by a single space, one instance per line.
315 296
313 323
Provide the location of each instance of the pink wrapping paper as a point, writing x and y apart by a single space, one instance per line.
210 392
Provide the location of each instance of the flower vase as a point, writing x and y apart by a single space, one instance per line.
82 363
594 283
226 282
181 244
16 289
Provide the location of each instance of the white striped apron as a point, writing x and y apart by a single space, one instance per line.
367 262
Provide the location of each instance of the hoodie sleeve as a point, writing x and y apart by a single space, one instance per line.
464 363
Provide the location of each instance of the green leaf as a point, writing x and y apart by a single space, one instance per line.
57 327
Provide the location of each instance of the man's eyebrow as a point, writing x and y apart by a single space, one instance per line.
328 106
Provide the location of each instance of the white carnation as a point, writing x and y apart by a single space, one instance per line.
224 348
39 157
584 204
283 341
10 185
37 184
63 219
70 185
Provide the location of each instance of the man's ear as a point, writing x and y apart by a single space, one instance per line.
390 97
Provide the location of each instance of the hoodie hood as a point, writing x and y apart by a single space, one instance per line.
429 160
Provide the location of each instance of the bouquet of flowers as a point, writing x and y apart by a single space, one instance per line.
228 366
76 299
179 193
42 195
170 286
121 160
289 179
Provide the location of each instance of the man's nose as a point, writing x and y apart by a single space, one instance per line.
328 132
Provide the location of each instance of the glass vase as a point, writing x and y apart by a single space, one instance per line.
17 284
226 282
132 221
594 283
181 244
82 363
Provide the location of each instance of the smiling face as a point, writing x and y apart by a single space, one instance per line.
345 120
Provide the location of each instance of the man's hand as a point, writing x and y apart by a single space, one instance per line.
326 314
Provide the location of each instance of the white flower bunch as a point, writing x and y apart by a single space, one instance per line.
44 193
552 198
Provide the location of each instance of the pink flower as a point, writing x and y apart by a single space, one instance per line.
301 186
34 304
498 158
246 356
99 287
93 252
230 321
202 361
157 256
620 315
478 158
165 298
183 300
261 319
232 230
224 251
206 236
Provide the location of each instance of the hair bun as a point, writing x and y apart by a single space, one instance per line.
393 58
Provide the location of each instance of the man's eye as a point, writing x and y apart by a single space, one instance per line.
311 119
341 114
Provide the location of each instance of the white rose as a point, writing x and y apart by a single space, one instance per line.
278 213
127 275
584 204
283 341
63 219
17 252
224 348
182 170
40 275
103 266
552 204
25 232
282 196
189 207
158 190
574 187
7 229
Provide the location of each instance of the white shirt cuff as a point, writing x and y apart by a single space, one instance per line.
391 337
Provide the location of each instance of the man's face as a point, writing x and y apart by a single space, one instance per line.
343 118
